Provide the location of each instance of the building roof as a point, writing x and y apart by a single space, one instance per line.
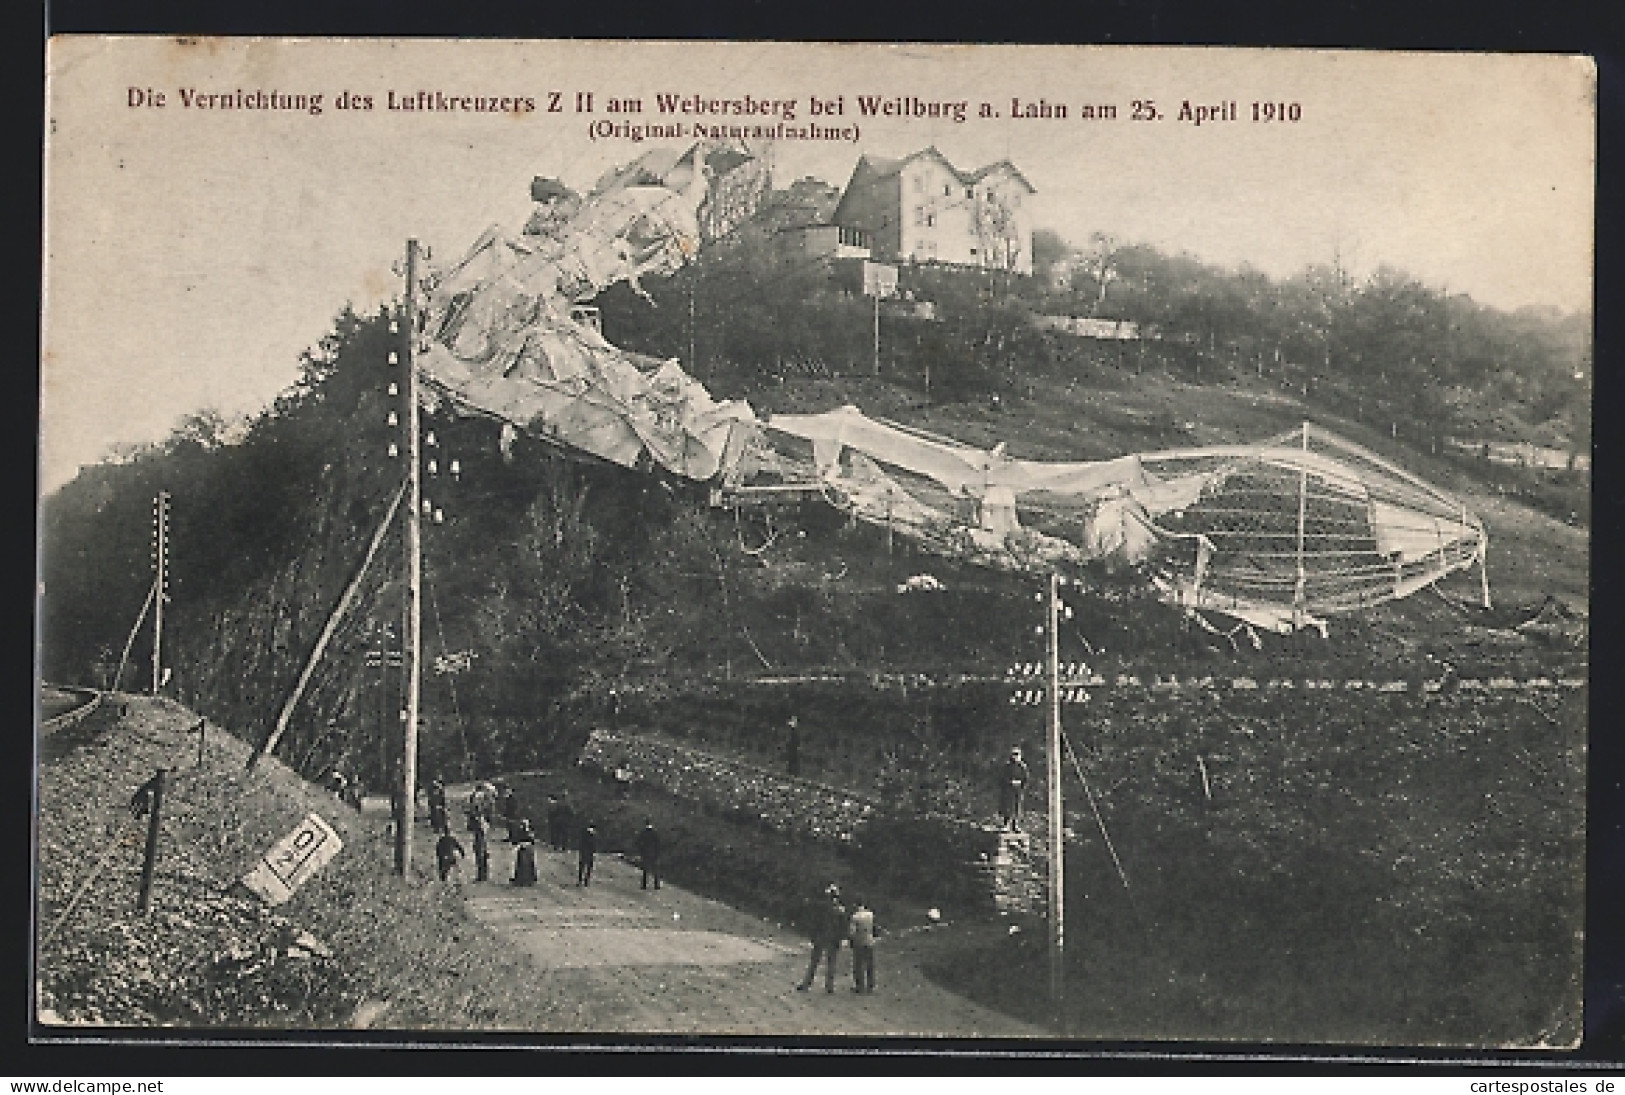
882 166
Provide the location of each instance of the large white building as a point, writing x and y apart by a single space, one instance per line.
921 208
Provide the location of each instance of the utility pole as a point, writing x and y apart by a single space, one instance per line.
155 805
160 555
1299 585
1057 826
414 572
877 331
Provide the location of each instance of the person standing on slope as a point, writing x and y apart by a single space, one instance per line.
829 927
648 844
586 851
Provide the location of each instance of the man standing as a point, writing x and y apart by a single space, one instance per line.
438 819
587 849
861 930
555 823
1012 782
649 853
482 848
447 851
829 927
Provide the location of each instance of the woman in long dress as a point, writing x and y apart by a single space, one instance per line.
524 860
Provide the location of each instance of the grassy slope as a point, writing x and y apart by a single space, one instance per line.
405 955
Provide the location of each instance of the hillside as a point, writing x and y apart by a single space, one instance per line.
552 583
356 947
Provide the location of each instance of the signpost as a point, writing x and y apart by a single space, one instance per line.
292 860
879 280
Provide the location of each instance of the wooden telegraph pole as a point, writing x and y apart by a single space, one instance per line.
155 805
414 573
1057 827
877 330
160 553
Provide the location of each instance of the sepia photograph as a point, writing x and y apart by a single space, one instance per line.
1000 545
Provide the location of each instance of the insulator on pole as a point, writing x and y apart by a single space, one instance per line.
394 358
439 516
434 467
456 468
394 388
428 439
427 508
394 327
393 419
394 450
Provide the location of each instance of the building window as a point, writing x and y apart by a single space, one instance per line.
969 193
930 220
973 252
947 191
919 216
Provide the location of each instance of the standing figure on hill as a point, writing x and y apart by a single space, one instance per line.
524 859
649 853
1012 783
567 823
439 820
586 850
829 927
861 931
477 829
508 808
447 852
555 823
792 748
336 783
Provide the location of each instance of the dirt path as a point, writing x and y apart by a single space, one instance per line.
671 961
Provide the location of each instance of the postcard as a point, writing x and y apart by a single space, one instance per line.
1025 543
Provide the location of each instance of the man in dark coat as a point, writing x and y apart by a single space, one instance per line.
586 850
553 819
482 846
447 851
829 927
439 820
1012 783
649 853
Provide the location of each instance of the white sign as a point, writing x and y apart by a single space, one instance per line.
879 279
293 859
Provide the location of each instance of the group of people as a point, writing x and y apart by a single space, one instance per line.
834 923
492 804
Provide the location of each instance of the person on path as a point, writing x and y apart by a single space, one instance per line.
567 821
439 820
508 811
829 927
1012 783
447 852
861 931
482 800
477 828
553 822
648 844
524 860
586 850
